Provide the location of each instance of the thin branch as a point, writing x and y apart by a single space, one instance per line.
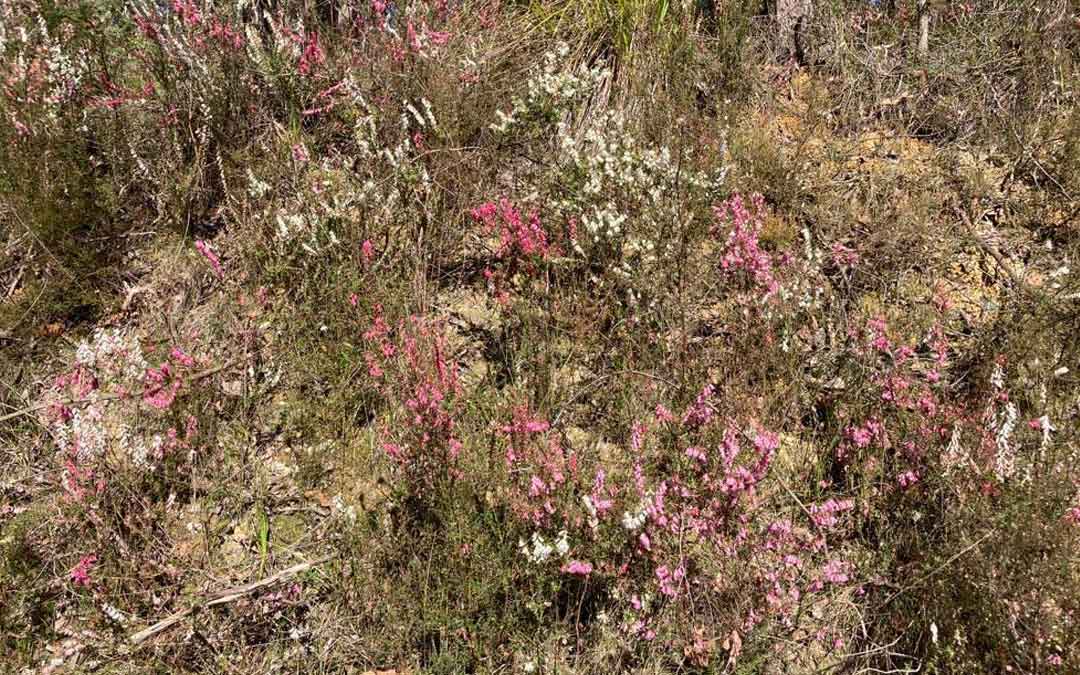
223 597
936 570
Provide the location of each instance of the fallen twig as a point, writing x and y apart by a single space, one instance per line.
224 597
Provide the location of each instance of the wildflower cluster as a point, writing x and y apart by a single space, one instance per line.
409 366
553 91
654 522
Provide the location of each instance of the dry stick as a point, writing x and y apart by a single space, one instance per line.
1017 282
110 396
223 597
600 380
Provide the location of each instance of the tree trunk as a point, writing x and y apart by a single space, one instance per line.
791 19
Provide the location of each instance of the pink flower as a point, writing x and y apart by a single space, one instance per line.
205 249
697 454
637 436
1073 515
187 11
395 451
183 359
824 515
669 579
835 572
743 251
300 153
80 574
437 38
367 250
577 568
158 391
312 57
843 256
518 238
859 435
411 37
700 412
907 479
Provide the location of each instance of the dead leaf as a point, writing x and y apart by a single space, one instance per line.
733 646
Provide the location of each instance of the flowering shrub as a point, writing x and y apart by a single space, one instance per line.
663 524
408 364
616 190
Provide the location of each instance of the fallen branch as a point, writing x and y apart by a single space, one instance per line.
224 597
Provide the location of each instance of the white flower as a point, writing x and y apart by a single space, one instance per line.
635 520
561 544
539 551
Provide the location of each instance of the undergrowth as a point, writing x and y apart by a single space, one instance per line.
578 336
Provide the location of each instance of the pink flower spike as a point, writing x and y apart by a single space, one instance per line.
215 262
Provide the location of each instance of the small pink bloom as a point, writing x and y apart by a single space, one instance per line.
696 453
637 436
843 256
907 479
578 568
183 359
1073 515
312 57
835 572
700 412
80 574
411 37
